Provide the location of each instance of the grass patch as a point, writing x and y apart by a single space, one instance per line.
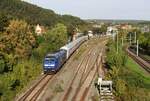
95 98
58 88
133 66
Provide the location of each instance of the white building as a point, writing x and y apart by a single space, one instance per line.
90 34
145 29
38 30
111 31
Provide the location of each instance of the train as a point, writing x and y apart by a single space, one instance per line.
54 61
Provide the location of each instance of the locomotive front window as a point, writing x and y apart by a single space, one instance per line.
49 60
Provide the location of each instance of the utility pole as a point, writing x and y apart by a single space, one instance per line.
114 35
135 38
137 49
130 38
117 42
122 41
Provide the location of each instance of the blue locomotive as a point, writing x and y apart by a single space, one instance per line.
54 61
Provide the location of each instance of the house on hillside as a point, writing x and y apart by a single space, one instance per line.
39 30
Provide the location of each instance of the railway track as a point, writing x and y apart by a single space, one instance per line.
144 64
82 80
132 49
84 75
33 93
140 55
65 98
90 78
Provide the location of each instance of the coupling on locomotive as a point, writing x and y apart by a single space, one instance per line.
54 61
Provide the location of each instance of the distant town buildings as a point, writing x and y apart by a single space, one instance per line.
97 26
145 29
111 31
124 26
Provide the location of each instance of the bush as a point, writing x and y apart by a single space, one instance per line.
120 87
2 65
116 59
128 85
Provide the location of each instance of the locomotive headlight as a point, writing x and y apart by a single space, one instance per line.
52 65
49 65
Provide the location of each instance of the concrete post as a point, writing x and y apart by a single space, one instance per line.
122 41
135 38
137 49
117 42
130 38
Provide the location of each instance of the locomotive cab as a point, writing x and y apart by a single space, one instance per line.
50 64
53 62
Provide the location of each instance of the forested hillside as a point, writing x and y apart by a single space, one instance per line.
35 15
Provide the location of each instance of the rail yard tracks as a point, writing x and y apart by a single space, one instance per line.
86 75
37 89
86 58
90 78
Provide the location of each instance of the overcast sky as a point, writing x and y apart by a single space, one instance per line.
99 9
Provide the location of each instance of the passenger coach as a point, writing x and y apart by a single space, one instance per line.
54 61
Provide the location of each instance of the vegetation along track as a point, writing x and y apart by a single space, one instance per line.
34 92
139 60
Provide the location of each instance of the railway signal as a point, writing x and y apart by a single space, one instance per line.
122 41
105 89
117 42
130 39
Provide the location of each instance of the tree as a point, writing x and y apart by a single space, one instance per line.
3 22
51 41
103 28
2 64
142 40
18 9
57 35
96 30
17 40
120 87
